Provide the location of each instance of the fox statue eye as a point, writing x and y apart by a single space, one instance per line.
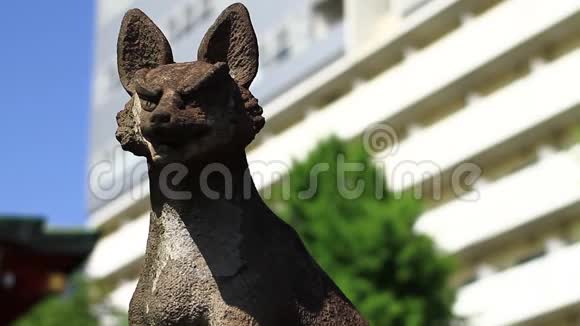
147 104
192 100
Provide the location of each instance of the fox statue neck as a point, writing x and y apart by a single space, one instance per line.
201 208
198 183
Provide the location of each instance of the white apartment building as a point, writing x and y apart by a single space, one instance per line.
491 86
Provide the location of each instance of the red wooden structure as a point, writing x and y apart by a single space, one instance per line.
35 262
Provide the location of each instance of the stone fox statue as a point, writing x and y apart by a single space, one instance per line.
216 255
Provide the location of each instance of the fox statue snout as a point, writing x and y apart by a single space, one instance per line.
223 260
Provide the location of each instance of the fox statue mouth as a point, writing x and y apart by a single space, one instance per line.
174 136
166 151
168 142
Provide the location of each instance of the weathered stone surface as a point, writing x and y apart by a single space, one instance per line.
232 39
216 255
144 46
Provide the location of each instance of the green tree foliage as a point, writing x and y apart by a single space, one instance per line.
366 244
71 308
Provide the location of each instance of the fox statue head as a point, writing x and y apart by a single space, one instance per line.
183 111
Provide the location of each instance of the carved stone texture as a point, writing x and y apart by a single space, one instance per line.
216 255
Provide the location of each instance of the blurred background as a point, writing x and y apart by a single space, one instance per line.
481 93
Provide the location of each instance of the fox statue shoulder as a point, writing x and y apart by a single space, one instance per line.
216 255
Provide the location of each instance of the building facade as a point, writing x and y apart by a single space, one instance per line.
478 99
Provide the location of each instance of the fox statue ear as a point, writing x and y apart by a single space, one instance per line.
231 39
140 45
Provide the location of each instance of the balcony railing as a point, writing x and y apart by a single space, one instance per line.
538 191
406 7
121 297
524 293
522 106
119 249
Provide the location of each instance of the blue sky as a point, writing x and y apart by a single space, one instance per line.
45 62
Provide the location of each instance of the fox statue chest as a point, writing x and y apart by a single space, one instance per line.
176 270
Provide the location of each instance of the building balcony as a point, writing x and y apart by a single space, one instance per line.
432 76
518 110
528 197
530 293
120 298
276 77
120 249
406 7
